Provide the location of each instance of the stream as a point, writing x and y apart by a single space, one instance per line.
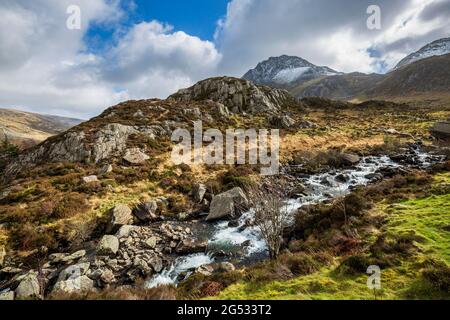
318 188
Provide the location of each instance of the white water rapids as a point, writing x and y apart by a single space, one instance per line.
318 188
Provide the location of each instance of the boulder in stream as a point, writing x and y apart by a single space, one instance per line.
226 204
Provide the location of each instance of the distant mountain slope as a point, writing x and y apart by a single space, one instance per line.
425 76
28 128
286 71
431 75
436 48
343 87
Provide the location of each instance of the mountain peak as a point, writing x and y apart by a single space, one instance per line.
439 47
285 71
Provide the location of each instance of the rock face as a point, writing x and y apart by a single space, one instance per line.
120 215
441 129
236 95
108 246
29 287
226 204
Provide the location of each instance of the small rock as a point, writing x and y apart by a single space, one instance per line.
226 267
74 256
135 156
90 179
199 192
120 215
151 242
74 271
124 231
351 159
29 287
83 283
7 296
108 246
105 169
107 277
146 211
206 270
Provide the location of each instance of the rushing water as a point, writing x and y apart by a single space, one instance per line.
318 188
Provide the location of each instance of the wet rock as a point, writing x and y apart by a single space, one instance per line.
327 181
90 179
135 156
146 211
233 224
226 204
189 246
7 296
350 159
108 246
342 178
120 215
29 287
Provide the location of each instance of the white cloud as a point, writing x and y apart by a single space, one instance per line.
45 67
326 32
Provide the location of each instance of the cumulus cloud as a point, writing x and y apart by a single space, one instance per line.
47 68
332 33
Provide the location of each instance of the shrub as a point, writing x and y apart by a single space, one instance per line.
439 276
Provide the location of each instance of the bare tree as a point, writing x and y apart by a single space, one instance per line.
270 215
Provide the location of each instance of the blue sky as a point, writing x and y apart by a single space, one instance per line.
195 17
125 49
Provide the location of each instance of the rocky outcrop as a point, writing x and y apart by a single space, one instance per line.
227 204
109 141
236 95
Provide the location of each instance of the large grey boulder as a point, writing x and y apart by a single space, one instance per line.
226 204
441 129
108 246
120 215
351 159
29 287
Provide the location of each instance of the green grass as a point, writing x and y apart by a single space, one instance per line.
427 219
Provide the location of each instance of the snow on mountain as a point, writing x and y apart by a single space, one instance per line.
436 48
286 70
